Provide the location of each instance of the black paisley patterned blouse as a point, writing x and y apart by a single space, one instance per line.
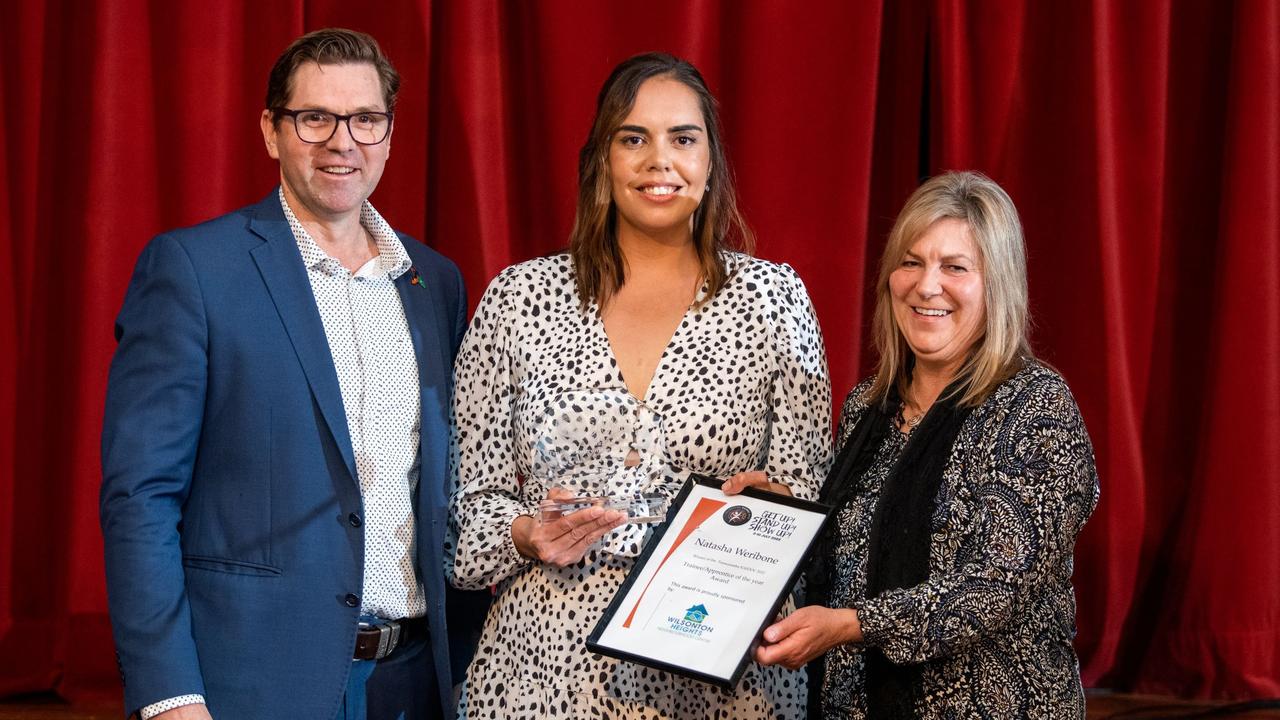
993 625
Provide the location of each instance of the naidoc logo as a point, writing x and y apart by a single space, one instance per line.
737 515
773 525
693 624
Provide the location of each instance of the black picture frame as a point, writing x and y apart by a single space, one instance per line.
730 682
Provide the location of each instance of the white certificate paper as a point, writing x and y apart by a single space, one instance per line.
706 587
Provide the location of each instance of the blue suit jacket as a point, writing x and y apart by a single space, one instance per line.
230 504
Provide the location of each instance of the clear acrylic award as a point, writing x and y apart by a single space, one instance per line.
605 448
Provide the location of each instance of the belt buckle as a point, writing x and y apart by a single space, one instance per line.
388 637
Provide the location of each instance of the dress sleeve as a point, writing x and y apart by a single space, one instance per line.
1030 499
800 421
485 496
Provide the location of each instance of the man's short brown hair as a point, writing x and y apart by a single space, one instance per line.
330 46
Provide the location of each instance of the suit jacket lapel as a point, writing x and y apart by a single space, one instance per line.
425 326
281 266
423 312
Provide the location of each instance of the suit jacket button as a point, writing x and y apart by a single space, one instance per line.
355 520
351 600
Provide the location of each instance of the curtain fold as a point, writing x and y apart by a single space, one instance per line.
1137 139
9 356
1138 142
1218 632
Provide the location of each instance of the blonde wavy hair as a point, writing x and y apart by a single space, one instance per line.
993 222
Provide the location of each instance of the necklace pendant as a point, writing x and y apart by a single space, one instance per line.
909 423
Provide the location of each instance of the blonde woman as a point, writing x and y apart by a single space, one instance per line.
943 588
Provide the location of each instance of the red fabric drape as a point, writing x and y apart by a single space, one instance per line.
1138 140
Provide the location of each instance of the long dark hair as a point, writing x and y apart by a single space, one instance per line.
597 260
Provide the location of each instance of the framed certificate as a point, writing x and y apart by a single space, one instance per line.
710 581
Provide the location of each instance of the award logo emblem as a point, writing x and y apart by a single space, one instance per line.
696 614
737 515
693 625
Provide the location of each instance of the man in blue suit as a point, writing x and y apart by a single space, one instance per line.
277 430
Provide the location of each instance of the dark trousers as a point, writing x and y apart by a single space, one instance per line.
400 686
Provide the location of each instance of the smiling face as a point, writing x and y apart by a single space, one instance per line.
328 181
659 162
938 296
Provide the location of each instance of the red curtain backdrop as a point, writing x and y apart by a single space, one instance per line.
1139 140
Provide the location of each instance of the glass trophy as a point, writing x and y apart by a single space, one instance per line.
638 507
605 449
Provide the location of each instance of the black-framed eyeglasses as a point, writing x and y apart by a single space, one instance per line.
317 126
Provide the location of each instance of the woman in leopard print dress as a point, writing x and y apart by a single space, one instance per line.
649 346
943 589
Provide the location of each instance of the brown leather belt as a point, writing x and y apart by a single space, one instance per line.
375 641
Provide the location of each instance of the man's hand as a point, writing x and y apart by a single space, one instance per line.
195 711
752 478
807 633
565 540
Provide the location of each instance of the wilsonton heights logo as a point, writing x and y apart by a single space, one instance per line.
694 623
696 614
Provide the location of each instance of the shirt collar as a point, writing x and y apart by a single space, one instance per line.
392 256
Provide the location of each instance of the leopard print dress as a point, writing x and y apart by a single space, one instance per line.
539 400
